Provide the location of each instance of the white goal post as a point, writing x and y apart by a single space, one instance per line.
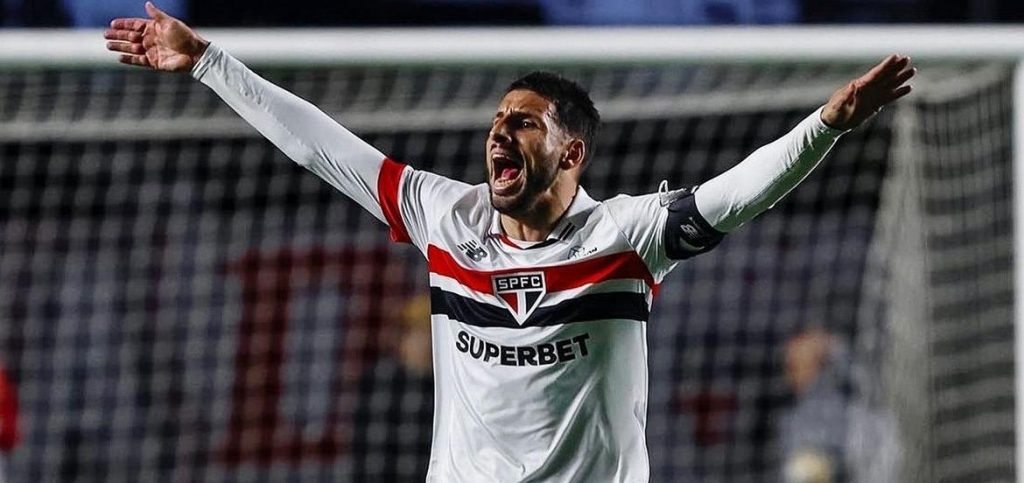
497 47
502 45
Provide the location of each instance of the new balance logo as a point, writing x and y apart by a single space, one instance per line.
690 231
472 250
690 236
520 292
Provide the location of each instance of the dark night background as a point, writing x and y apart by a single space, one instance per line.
321 13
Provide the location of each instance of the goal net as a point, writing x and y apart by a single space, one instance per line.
179 302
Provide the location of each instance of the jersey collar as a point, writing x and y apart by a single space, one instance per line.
563 230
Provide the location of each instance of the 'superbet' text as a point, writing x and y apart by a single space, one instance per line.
548 353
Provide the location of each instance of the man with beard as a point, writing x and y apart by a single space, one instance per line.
540 294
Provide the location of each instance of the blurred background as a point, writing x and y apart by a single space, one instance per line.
179 302
322 13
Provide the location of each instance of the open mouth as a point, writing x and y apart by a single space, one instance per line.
508 170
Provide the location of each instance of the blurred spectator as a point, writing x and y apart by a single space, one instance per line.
9 435
414 350
829 436
394 417
99 13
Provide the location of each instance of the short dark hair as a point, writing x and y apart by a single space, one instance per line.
573 108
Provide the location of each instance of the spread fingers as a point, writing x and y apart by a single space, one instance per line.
139 60
123 35
126 47
136 24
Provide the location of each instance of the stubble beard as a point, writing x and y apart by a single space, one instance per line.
521 204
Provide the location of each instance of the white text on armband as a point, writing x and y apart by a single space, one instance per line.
555 352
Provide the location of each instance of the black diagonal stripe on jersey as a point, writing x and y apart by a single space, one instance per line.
599 306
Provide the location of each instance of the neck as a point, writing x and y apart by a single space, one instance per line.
537 224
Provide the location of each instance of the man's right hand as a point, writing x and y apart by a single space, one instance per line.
160 42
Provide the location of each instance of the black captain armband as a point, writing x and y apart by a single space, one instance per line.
687 233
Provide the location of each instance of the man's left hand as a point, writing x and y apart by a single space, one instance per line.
863 97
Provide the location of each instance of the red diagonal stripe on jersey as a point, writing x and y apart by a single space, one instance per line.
617 266
388 182
512 299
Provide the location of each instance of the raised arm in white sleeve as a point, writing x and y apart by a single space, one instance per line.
301 130
763 178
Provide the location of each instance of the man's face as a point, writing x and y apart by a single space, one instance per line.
806 354
524 148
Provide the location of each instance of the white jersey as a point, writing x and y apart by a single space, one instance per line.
540 350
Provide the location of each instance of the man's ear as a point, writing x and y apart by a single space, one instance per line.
575 153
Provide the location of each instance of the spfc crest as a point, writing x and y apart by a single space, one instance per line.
520 292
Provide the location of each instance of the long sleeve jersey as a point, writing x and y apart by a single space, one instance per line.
540 353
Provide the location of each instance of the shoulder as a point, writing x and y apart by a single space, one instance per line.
469 205
433 191
471 199
628 206
422 179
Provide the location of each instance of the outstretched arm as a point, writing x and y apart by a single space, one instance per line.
304 133
763 178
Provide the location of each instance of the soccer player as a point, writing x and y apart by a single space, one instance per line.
540 293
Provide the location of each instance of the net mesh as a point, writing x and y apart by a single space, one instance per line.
951 305
182 303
